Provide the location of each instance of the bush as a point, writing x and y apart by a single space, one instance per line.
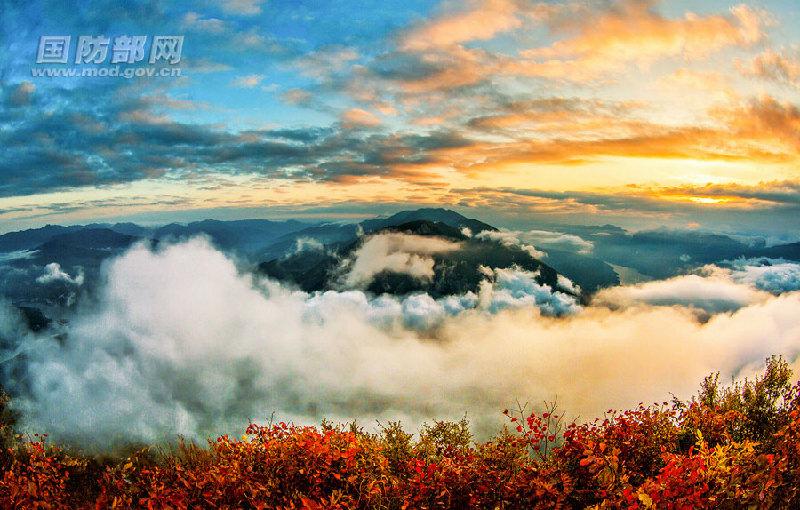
729 447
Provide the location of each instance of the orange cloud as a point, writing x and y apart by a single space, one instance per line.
456 67
780 66
355 117
768 121
765 194
713 84
483 19
595 41
633 31
763 131
563 117
653 202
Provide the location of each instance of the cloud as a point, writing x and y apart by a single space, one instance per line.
308 244
73 148
758 130
296 96
731 203
393 252
242 7
558 241
714 292
195 21
591 40
771 275
567 284
556 116
54 273
327 63
12 325
786 193
633 31
180 342
248 82
511 238
357 117
765 119
781 66
515 288
481 20
20 95
461 72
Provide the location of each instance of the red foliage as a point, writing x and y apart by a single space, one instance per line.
696 455
37 479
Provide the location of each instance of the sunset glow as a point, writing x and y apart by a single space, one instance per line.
435 104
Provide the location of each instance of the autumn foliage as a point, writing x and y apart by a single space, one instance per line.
733 447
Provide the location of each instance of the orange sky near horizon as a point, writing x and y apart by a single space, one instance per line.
505 104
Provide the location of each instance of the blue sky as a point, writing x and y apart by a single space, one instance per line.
635 112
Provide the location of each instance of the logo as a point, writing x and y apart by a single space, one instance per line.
123 50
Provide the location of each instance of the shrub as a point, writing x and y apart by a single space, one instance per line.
731 447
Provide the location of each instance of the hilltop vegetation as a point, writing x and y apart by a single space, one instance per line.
731 447
455 272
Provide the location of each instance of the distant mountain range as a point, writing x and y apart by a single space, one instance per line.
242 235
663 253
275 248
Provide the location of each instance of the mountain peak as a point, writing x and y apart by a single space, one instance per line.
432 214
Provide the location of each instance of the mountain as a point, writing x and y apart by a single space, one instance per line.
245 236
310 254
33 318
31 238
334 233
310 270
85 248
590 273
664 253
455 272
130 229
789 251
436 215
325 234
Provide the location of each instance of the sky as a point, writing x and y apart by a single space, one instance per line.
638 113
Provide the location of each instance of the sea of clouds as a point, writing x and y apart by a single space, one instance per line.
181 341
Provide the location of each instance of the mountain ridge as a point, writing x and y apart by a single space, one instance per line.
454 272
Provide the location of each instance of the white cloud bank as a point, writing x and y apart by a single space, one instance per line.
183 343
558 241
394 252
770 275
537 242
511 238
713 293
54 273
713 289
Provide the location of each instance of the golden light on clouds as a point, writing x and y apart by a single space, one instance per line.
608 98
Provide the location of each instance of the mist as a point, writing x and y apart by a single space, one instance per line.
180 341
395 252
